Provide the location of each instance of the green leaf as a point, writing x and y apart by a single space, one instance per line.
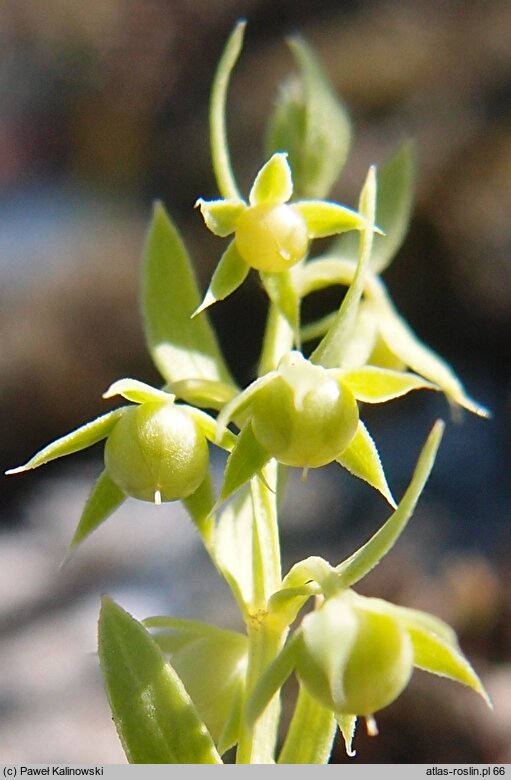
197 648
374 385
311 733
181 348
218 132
155 718
221 216
83 437
200 506
434 654
325 219
273 183
333 348
245 461
366 557
242 401
395 201
103 500
282 292
393 209
361 459
138 392
229 274
312 125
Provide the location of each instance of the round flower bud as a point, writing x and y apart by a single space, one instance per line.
304 417
271 237
352 659
156 452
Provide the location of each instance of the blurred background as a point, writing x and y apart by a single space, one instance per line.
103 108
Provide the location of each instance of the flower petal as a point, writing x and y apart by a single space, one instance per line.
221 216
138 392
324 218
273 183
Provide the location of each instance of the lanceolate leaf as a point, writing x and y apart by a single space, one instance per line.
103 500
233 546
361 458
218 131
83 437
395 200
366 557
181 348
155 718
312 125
333 348
311 733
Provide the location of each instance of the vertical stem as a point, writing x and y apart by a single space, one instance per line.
311 733
265 637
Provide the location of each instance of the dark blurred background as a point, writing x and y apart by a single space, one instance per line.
103 108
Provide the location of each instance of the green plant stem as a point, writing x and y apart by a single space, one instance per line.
311 733
266 636
278 339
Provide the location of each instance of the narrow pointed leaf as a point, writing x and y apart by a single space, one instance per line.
241 401
311 733
403 342
332 349
434 654
180 347
347 725
83 437
424 621
283 294
364 559
325 219
245 461
221 216
361 459
218 132
103 500
311 124
200 505
375 385
225 439
395 200
155 718
365 333
229 274
138 392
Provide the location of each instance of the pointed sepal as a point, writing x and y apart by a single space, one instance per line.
273 183
229 274
326 219
245 461
374 385
104 498
221 216
361 458
89 434
138 392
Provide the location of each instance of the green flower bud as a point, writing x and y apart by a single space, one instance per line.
304 417
271 237
353 659
156 452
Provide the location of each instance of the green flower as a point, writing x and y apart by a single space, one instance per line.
270 234
307 416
